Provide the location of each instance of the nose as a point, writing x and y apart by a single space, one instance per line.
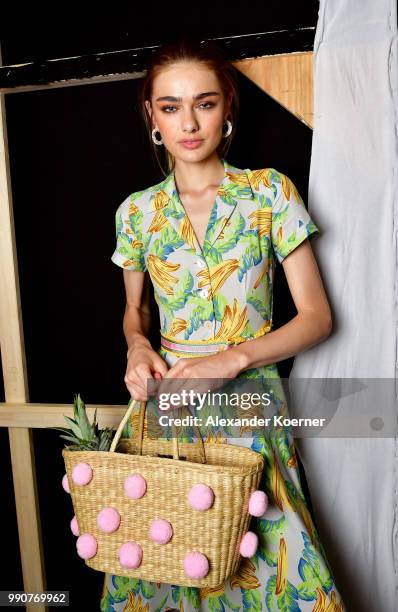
189 122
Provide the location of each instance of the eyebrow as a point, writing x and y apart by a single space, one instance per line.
197 97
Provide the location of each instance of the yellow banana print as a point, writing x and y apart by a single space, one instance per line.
160 200
217 438
239 179
324 604
281 568
289 188
187 233
160 273
134 603
178 326
278 487
292 463
307 519
233 322
262 220
217 275
245 577
213 591
158 222
133 209
260 176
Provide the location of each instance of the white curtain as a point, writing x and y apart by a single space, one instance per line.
353 198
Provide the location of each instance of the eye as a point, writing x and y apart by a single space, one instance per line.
164 108
207 104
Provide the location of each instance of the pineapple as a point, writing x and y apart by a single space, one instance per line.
85 435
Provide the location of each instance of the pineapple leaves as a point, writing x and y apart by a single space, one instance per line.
83 434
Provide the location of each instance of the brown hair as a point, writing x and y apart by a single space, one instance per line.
186 50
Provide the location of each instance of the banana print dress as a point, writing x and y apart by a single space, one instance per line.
223 292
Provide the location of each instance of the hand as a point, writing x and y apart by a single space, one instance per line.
143 363
200 374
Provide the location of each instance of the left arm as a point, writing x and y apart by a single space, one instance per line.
311 325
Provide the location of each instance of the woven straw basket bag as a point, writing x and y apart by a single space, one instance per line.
210 535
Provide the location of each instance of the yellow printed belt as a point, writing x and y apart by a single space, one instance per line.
208 346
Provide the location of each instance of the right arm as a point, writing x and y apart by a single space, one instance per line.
143 361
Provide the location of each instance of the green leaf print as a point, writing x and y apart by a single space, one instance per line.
232 232
251 599
190 593
265 201
215 228
106 602
168 241
164 305
310 572
181 291
260 301
220 302
220 603
283 447
251 256
148 589
200 314
124 584
269 533
285 601
162 604
234 191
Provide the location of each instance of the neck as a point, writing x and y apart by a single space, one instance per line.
198 175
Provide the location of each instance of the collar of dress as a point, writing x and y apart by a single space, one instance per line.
234 187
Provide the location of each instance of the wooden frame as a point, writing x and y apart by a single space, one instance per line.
286 77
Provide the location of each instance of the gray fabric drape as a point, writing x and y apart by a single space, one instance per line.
353 198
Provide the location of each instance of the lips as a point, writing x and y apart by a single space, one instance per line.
193 140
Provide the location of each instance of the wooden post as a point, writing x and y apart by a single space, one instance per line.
15 384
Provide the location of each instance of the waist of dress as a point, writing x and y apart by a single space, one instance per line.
211 345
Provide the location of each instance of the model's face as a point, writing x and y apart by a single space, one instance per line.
188 103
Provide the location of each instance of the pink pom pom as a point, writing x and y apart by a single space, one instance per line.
135 486
74 526
248 545
65 483
258 503
108 519
82 473
201 497
130 555
86 545
196 565
160 531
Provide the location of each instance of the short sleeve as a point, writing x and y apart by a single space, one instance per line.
129 250
291 222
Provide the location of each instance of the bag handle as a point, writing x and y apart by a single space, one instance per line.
176 454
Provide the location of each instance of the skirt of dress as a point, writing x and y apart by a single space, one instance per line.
289 571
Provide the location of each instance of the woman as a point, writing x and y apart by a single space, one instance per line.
207 235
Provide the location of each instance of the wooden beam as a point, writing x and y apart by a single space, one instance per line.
131 63
287 78
16 386
34 416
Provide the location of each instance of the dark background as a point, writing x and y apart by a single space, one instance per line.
75 154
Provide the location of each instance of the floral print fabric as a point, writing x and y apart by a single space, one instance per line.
222 291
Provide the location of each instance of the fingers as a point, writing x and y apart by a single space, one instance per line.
136 380
160 366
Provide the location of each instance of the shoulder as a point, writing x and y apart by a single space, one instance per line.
272 181
142 201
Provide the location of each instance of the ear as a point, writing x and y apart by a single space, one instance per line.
228 106
148 107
